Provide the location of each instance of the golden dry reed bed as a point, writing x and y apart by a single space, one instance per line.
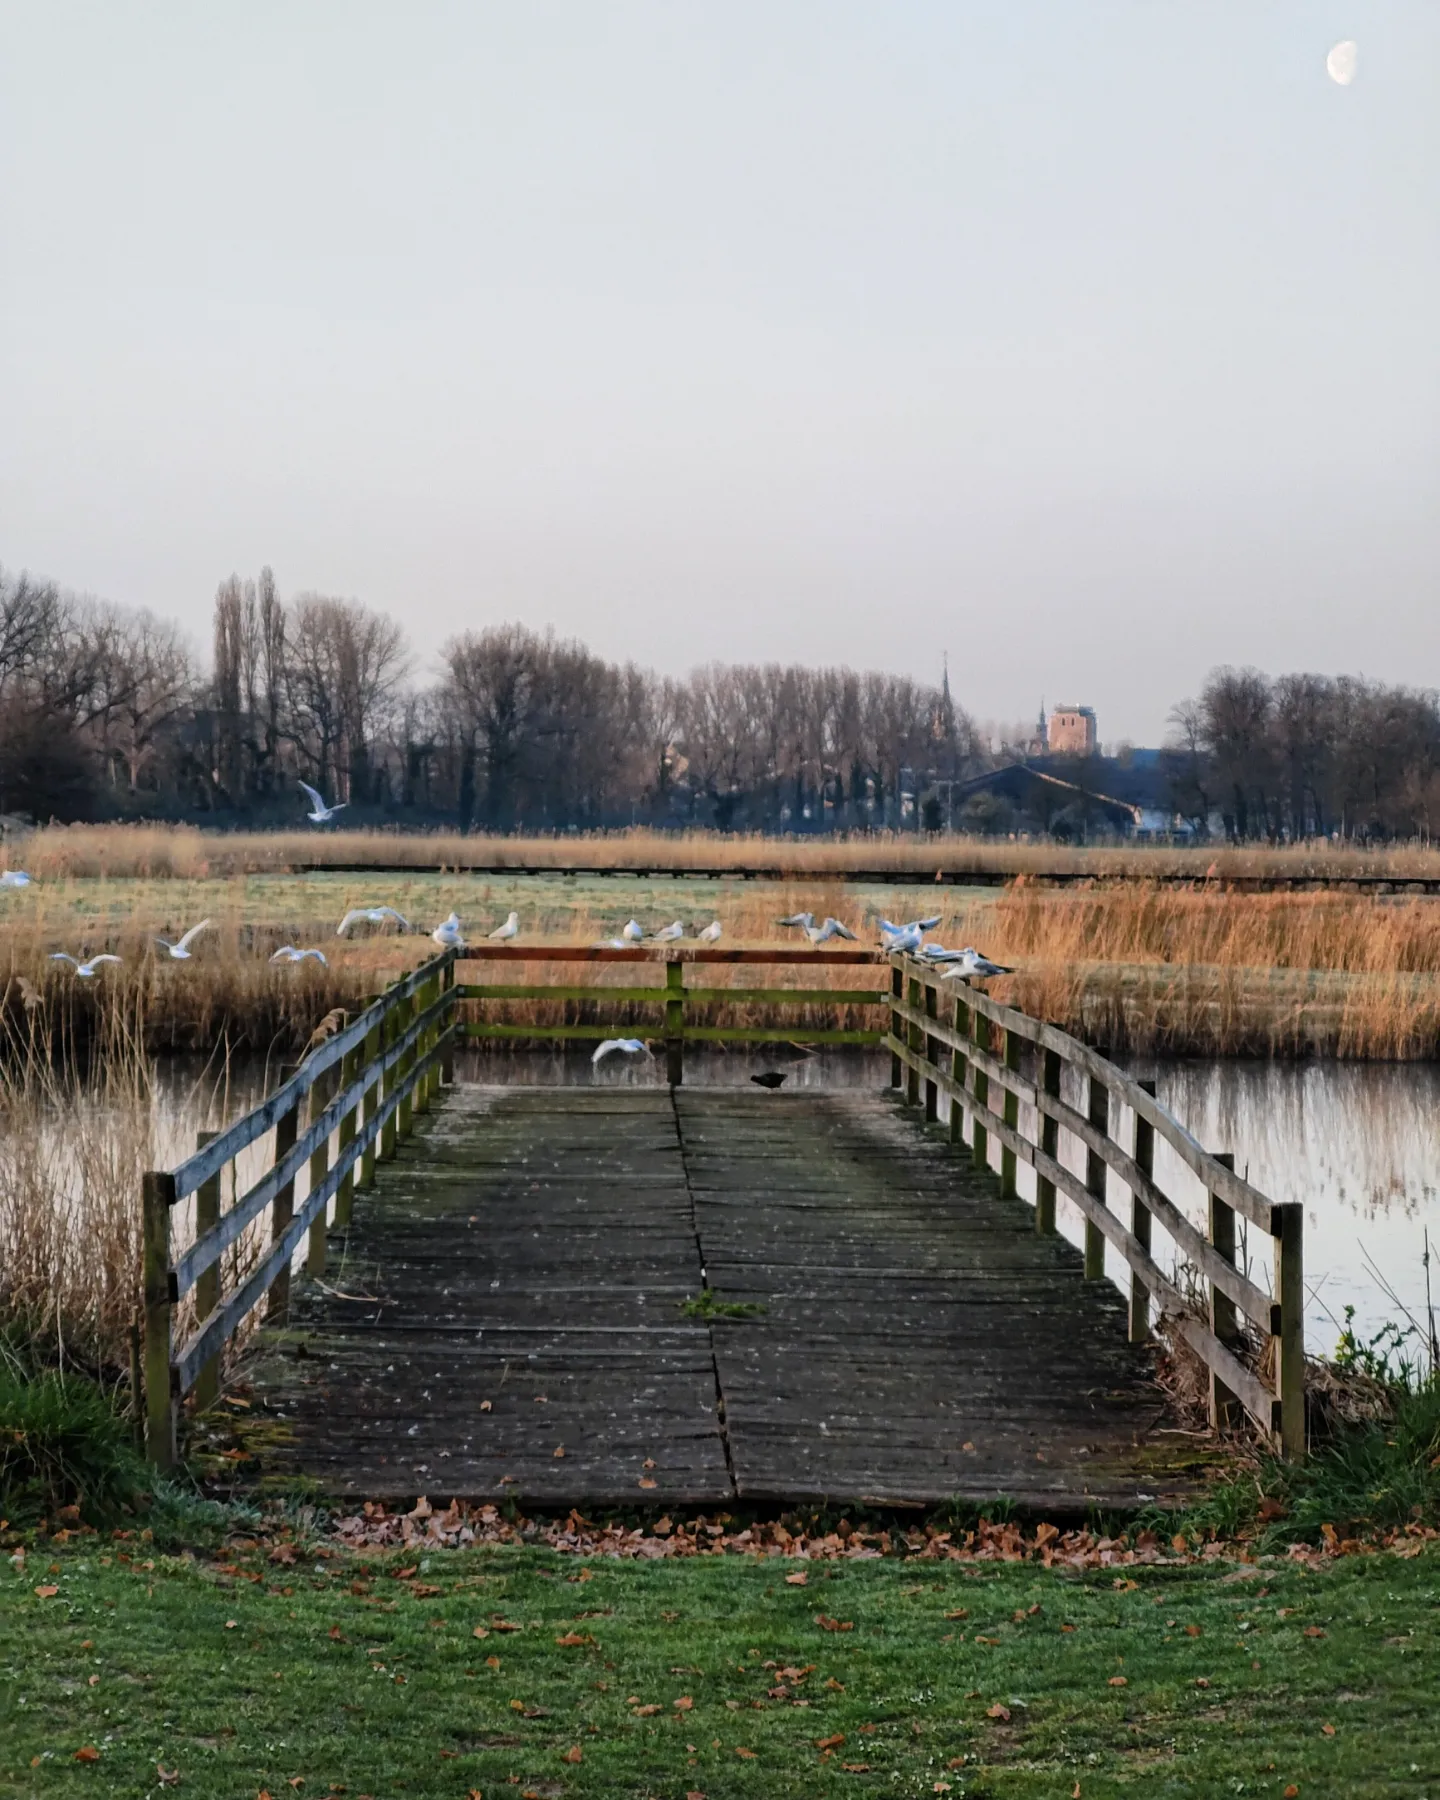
151 851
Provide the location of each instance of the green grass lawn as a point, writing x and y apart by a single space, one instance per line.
514 1672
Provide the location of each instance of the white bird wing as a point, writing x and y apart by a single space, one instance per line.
804 920
389 912
352 917
635 1047
192 934
928 924
95 961
65 956
602 1050
889 929
319 956
286 953
315 799
836 929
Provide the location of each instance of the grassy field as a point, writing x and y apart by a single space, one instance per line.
464 1674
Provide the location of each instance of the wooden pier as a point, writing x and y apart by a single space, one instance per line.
639 1292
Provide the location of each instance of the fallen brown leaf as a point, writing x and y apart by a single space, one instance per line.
684 1703
749 1755
796 1580
997 1711
1314 1631
828 1624
960 1612
1119 1681
1328 1730
492 1662
573 1755
87 1753
646 1712
857 1768
647 1481
559 1450
573 1638
480 1631
167 1777
831 1743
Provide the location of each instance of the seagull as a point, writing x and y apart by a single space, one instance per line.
631 1047
503 933
772 1079
180 950
898 939
322 812
973 964
937 953
711 933
805 920
610 944
447 933
289 954
85 970
632 932
916 926
820 934
14 878
370 915
667 934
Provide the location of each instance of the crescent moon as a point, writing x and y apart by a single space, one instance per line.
1342 62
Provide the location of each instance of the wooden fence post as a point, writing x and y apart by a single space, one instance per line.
422 1048
932 1087
319 1168
390 1023
1287 1224
1049 1143
447 1060
1095 1180
345 1193
370 1100
207 1284
897 992
405 1111
281 1213
1010 1112
157 1196
980 1088
913 1043
674 1022
1140 1222
959 1068
1225 1410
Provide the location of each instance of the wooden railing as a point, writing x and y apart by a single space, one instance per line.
358 1091
975 1051
672 997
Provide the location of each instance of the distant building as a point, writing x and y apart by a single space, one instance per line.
1072 731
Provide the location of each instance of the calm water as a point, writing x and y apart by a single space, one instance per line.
1357 1144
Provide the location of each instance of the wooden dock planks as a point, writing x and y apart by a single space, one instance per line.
534 1247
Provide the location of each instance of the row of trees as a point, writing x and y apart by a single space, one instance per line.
107 711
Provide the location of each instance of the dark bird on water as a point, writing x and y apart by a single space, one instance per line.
772 1078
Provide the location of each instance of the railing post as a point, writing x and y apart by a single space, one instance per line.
674 1022
157 1195
391 1021
1049 1143
345 1193
1287 1223
447 1060
1225 1411
914 1041
1140 1222
405 1111
980 1088
897 1024
959 1068
319 1168
281 1213
1095 1180
422 1046
207 1285
369 1100
1010 1112
932 1087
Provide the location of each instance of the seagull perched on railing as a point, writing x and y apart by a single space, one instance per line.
916 928
972 965
179 951
287 953
901 940
447 933
632 932
821 934
14 878
370 915
667 934
711 933
85 970
503 933
630 1046
937 953
321 812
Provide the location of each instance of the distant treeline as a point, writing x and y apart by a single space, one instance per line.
109 712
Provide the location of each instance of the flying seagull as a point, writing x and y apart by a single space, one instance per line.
632 932
631 1047
503 933
287 953
973 964
711 933
667 934
898 939
821 934
14 878
916 926
85 970
805 920
447 933
370 915
180 950
322 812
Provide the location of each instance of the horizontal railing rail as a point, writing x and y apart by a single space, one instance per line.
361 1088
917 1038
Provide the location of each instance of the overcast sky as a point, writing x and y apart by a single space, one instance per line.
1097 341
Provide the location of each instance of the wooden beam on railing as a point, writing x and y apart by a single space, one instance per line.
405 1111
157 1197
1010 1114
1287 1229
897 993
980 1088
1224 1323
319 1169
345 1193
282 1211
207 1285
674 1023
961 1025
932 1087
1049 1144
447 1062
1140 1221
1095 1173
